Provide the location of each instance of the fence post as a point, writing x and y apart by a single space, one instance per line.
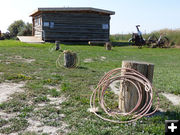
128 96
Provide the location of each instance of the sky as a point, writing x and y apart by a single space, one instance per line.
150 14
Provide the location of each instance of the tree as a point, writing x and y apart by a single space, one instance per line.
6 35
16 27
26 30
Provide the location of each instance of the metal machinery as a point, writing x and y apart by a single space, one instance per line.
137 38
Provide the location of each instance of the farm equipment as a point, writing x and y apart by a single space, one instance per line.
137 38
161 42
153 42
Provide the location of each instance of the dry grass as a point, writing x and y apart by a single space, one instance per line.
173 35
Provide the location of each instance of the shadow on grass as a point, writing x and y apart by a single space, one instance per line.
121 44
98 44
80 67
171 115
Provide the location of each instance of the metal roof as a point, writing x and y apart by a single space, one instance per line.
64 9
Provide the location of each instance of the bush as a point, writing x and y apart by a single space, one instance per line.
19 28
6 35
26 31
16 27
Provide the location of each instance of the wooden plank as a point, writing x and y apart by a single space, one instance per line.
76 14
30 39
76 36
76 39
56 31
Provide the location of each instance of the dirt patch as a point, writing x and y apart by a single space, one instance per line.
21 59
175 100
88 60
56 101
7 116
1 73
114 86
7 89
36 126
103 58
11 134
92 87
52 87
7 62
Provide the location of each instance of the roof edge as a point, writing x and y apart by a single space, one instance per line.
72 9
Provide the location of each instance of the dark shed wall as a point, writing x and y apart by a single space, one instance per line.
78 26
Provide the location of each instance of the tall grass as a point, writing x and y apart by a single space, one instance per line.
173 35
120 37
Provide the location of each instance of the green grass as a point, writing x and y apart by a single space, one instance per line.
75 84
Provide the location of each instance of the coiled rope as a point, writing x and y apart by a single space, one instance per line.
60 62
116 115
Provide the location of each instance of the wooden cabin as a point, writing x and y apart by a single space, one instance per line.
71 24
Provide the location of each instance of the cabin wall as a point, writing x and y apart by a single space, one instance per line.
37 26
71 26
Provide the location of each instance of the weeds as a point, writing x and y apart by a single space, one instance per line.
65 86
41 98
54 93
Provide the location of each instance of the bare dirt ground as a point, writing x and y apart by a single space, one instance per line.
21 59
115 87
7 89
52 87
88 60
36 126
103 58
175 100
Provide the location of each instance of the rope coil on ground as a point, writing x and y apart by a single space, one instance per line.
61 61
99 97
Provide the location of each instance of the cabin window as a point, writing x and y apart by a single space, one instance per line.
46 24
105 26
37 21
51 24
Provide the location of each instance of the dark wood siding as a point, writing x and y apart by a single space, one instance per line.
74 26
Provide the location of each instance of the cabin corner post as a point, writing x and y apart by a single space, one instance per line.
32 26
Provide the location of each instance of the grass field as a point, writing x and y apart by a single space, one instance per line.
75 85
